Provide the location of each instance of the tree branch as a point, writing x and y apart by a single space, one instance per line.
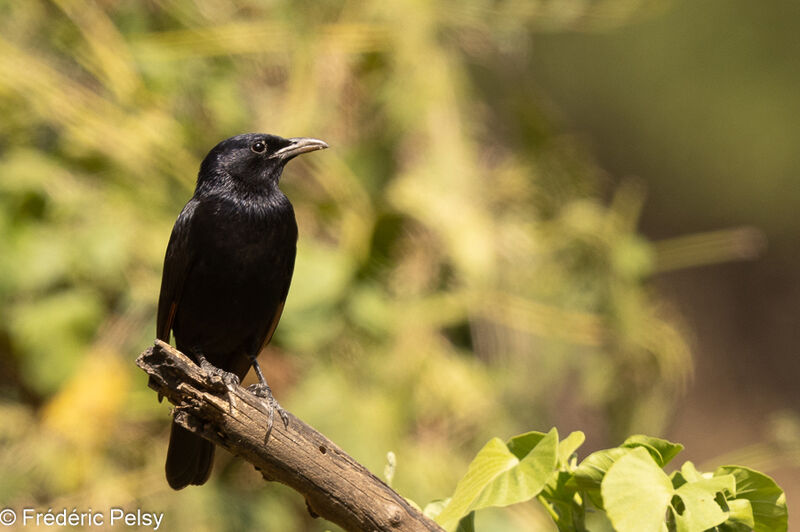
334 485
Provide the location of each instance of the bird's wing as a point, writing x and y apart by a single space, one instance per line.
273 324
177 263
286 281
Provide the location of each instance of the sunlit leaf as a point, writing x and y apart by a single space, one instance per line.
661 450
636 493
498 477
701 510
767 500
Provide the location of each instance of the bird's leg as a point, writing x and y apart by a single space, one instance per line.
261 389
230 380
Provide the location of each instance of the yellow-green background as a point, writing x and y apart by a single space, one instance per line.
494 243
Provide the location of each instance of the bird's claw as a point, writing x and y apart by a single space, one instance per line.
229 380
263 391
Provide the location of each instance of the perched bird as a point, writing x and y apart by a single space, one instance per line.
227 272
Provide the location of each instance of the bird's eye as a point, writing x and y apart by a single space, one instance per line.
259 147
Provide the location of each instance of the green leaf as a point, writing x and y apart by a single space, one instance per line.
636 493
564 505
690 473
740 512
767 500
701 510
498 477
568 446
522 444
589 474
661 450
559 488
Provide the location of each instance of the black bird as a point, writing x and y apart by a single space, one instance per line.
227 272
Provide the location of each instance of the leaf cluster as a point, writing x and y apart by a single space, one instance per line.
627 484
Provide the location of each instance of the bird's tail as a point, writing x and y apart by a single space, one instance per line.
189 458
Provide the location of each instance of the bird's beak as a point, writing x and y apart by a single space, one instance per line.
298 145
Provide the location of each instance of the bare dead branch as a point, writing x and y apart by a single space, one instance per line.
334 485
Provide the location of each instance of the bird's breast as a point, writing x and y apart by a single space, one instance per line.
240 273
237 230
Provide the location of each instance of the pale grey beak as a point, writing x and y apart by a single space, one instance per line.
298 145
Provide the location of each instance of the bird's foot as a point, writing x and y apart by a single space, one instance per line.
262 390
229 380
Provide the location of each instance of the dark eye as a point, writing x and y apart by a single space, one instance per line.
259 147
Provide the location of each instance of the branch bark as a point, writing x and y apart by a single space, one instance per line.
334 485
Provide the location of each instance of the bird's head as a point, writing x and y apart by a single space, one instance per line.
252 160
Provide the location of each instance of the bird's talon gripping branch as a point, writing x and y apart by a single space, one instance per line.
229 380
263 391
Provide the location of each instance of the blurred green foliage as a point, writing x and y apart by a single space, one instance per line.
461 271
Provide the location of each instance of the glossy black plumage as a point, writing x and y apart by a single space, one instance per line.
227 271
